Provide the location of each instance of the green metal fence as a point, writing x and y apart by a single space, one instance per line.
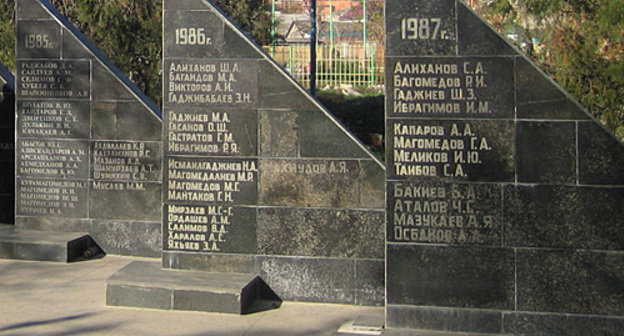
351 64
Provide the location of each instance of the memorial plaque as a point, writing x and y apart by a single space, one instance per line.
7 146
88 142
258 177
503 195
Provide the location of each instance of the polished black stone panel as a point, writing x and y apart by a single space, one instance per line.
210 82
51 197
463 277
88 141
475 150
369 282
215 262
72 48
129 238
309 279
32 9
450 87
47 119
279 132
546 152
561 109
53 158
39 39
119 120
216 132
197 34
564 217
210 228
533 85
211 180
444 213
72 79
284 92
421 27
568 281
476 37
561 324
320 233
443 319
325 137
601 156
125 200
51 223
309 183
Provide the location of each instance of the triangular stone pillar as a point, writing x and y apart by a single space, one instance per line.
504 196
259 177
88 141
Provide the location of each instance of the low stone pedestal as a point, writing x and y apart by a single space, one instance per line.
147 285
45 245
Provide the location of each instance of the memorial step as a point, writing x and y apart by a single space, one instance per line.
46 245
144 284
363 325
419 332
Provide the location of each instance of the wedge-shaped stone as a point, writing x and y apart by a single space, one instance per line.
505 198
247 151
147 285
88 140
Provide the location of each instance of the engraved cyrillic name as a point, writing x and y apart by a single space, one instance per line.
53 119
125 160
197 228
450 87
51 158
51 197
52 79
444 213
201 133
214 82
200 181
436 149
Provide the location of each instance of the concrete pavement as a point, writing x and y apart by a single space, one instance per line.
43 298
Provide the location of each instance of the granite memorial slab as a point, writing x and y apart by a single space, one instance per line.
7 146
88 142
503 194
258 176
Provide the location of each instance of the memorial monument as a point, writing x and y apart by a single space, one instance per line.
88 141
7 146
504 196
258 177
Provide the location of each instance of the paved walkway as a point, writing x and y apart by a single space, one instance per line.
40 298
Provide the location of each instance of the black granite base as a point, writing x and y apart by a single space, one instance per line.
46 246
331 280
146 285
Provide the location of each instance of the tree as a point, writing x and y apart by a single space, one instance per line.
7 34
580 43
